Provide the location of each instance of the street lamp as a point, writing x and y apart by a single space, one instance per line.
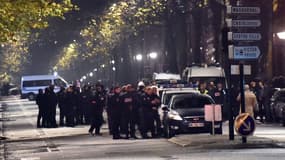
91 74
153 55
84 77
114 68
281 35
139 57
95 70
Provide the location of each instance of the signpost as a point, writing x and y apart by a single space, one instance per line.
244 52
244 36
245 124
243 23
213 113
235 70
243 10
245 19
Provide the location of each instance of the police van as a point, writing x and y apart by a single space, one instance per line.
31 84
212 73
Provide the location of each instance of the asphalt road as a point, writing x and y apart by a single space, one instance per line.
26 142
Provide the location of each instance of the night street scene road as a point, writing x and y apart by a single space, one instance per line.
142 79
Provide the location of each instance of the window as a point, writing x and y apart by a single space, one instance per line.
191 102
59 83
37 83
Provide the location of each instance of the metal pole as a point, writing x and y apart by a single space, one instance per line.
242 96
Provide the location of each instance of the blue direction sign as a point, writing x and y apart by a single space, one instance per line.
245 124
244 52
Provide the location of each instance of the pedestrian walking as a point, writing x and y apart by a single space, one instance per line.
98 101
250 100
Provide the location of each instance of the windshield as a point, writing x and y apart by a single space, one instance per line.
167 97
191 102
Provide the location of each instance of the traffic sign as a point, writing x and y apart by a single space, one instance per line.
244 52
243 23
235 70
244 36
245 124
243 10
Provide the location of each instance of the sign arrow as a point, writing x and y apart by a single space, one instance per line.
244 52
247 126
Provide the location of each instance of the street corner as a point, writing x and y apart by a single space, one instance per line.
197 140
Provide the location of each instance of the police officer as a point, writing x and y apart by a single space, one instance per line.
129 114
70 105
85 103
98 101
61 106
155 114
148 103
219 94
115 112
142 113
203 88
40 103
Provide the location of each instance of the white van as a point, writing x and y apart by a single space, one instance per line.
30 85
206 74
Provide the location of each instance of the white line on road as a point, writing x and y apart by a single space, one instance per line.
31 158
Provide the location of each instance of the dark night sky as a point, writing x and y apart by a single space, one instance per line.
44 50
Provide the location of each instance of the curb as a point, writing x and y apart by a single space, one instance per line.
222 142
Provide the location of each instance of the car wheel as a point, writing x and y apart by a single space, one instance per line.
31 96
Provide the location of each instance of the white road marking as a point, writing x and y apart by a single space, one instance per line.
31 158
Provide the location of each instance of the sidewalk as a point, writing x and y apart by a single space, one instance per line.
223 142
48 133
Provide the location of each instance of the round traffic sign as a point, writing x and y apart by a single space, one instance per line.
245 124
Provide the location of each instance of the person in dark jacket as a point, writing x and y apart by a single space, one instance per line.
115 112
52 99
219 96
61 106
40 102
130 112
148 103
155 115
98 101
85 104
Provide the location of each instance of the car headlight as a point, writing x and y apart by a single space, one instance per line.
174 115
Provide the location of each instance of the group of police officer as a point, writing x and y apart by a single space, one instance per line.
128 109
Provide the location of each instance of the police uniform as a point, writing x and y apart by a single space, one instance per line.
149 118
129 113
115 113
97 105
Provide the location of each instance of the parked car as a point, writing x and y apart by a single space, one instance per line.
166 95
277 106
185 114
